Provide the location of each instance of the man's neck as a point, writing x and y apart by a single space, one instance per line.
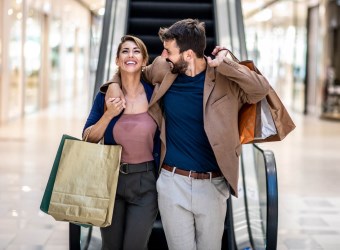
196 66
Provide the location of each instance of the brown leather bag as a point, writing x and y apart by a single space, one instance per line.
250 119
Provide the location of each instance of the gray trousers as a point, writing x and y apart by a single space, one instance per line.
134 213
192 211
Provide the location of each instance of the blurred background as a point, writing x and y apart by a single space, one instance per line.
54 55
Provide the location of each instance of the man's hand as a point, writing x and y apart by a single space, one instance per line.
114 91
220 53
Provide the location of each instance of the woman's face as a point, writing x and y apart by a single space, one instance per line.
130 58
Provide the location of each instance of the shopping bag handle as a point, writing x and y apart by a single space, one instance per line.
233 57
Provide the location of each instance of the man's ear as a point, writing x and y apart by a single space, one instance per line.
189 55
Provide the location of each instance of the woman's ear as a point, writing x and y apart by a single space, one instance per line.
144 63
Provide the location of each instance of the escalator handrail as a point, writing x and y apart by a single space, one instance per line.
105 35
75 230
272 198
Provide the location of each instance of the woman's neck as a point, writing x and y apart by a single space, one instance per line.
131 84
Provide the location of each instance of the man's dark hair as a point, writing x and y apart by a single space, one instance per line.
188 33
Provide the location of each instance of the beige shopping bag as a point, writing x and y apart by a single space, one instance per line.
85 186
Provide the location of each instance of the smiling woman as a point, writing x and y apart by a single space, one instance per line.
134 129
131 57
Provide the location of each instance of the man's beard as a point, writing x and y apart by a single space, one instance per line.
180 67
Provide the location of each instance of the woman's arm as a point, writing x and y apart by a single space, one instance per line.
99 118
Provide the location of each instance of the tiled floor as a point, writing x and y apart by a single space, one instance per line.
308 163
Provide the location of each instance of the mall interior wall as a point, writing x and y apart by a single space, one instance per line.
44 54
296 46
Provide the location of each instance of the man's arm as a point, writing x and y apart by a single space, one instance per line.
112 88
253 86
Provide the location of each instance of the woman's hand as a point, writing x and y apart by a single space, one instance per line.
114 106
114 91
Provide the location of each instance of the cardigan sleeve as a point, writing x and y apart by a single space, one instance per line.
96 112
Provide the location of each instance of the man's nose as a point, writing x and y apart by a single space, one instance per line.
164 53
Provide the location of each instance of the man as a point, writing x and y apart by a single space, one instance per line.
195 104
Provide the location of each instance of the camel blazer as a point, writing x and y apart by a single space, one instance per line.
226 88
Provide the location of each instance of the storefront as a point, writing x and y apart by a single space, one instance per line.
295 45
276 40
44 54
331 87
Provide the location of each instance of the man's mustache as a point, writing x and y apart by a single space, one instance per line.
168 60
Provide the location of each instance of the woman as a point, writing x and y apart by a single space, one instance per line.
132 127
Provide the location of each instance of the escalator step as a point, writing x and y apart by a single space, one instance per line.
170 9
147 16
174 1
150 26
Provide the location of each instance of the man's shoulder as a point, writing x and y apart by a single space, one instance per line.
157 70
160 63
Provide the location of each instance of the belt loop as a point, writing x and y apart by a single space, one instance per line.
189 174
210 175
147 167
173 171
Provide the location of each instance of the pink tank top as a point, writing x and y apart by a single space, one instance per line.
135 132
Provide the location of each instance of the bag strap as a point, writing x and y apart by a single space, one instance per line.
233 57
248 63
87 133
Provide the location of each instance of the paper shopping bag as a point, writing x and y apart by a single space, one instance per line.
85 185
45 202
255 126
264 124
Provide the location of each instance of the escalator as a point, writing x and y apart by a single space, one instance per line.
251 221
146 17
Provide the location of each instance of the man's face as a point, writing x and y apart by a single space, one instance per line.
174 57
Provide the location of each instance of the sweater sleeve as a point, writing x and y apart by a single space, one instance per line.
96 112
